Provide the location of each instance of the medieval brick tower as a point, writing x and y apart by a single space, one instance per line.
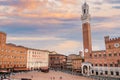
87 44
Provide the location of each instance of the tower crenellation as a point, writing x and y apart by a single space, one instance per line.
108 39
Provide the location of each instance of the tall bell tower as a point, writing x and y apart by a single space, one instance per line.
86 30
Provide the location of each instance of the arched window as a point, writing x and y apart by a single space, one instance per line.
117 73
84 11
92 71
106 72
96 72
112 73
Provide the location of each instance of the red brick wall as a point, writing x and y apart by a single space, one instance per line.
87 38
111 56
11 56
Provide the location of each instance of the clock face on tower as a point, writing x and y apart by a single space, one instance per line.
86 50
116 45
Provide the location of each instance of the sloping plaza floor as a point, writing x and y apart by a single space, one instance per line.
52 75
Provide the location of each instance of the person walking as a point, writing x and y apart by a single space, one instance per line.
60 77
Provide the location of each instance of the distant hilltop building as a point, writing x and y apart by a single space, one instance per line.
102 62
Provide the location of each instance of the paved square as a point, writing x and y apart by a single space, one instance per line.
52 75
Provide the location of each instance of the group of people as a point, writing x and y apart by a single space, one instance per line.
2 77
53 78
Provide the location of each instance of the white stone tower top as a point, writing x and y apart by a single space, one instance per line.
85 13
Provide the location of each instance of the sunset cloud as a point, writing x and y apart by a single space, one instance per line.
33 38
67 47
56 24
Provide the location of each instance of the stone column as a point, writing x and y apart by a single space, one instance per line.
82 69
88 70
103 72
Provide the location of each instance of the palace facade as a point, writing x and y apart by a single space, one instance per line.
57 61
102 62
12 57
36 59
20 58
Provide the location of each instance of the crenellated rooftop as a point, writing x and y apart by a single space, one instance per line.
108 39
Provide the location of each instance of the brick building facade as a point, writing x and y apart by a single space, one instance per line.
12 57
57 61
69 62
74 62
19 58
77 63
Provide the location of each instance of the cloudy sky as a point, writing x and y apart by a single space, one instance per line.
55 25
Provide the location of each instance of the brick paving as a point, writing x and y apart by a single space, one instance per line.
52 75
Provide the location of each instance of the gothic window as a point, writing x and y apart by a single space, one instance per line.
116 65
95 55
84 11
104 55
101 73
118 61
90 55
95 64
117 73
97 73
110 55
115 54
106 72
92 72
105 65
99 55
100 64
111 72
111 65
